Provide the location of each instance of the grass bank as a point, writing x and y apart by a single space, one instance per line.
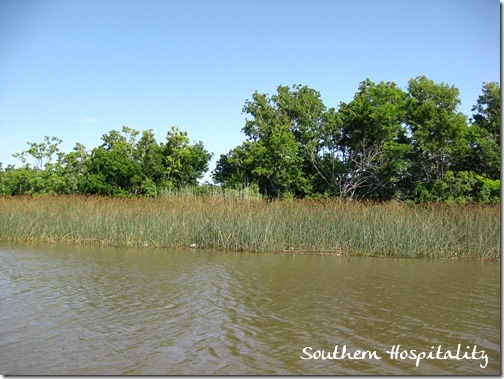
329 227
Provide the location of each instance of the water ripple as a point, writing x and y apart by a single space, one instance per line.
143 312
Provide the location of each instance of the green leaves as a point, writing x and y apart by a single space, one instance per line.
282 134
387 143
184 164
484 133
42 153
125 166
121 166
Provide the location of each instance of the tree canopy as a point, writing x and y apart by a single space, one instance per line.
123 165
387 143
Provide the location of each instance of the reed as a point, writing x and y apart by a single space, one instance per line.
255 225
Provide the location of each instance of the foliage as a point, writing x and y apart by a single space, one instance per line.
280 136
373 145
387 143
183 163
438 131
122 166
484 134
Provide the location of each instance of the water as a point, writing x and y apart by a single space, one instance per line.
100 311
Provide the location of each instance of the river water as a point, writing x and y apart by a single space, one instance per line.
101 311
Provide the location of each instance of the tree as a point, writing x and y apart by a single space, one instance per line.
43 153
234 169
73 169
275 149
386 143
183 163
282 135
437 129
149 155
488 110
41 176
373 145
21 181
112 168
124 165
484 134
322 155
296 145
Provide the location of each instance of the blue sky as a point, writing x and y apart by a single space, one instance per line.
76 69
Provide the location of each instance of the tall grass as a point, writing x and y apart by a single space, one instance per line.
255 225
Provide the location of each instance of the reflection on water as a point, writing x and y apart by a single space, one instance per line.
85 311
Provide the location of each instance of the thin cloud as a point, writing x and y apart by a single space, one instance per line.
87 119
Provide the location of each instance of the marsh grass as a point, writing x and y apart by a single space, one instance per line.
255 225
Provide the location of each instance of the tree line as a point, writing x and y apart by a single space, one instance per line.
385 144
124 165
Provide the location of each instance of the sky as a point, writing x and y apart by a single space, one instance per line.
77 69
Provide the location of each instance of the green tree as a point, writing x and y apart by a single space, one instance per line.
41 176
112 168
275 152
21 181
281 146
183 163
43 153
438 132
234 169
373 144
73 169
324 153
149 155
488 110
483 156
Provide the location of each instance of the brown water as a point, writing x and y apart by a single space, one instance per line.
85 311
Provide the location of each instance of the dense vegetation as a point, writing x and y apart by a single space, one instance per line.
328 226
123 165
385 144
